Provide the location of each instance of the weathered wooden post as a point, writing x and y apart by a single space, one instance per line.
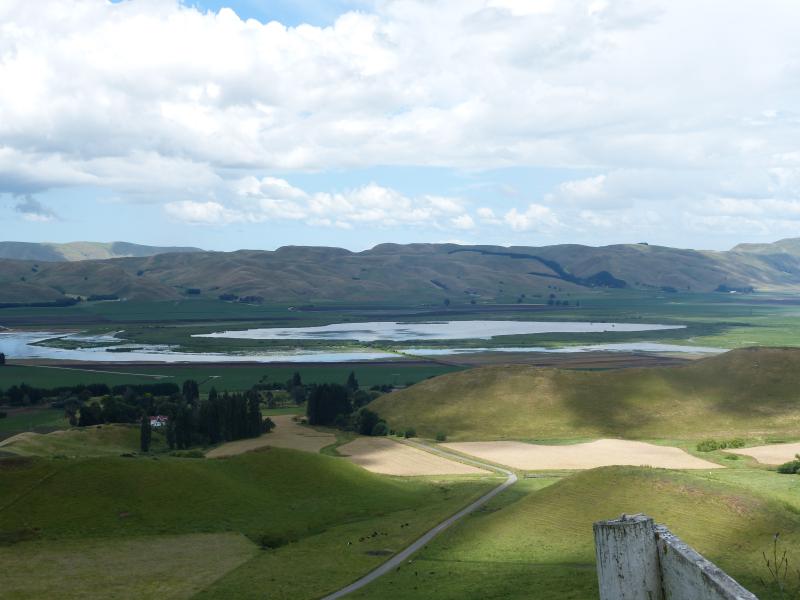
627 559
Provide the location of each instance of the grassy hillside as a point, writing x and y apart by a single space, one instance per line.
752 393
534 543
102 440
101 513
80 251
394 273
276 492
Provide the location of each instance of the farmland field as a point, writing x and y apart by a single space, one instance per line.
86 495
281 499
221 376
536 542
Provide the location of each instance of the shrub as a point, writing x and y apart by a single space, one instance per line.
366 421
708 446
380 428
410 432
792 467
711 445
441 437
271 541
188 454
3 414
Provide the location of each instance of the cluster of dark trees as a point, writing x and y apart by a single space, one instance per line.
190 421
242 299
343 407
2 359
27 395
220 418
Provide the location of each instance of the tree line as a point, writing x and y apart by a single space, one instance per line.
219 418
344 407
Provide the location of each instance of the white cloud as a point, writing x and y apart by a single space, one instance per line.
276 199
488 216
461 82
464 221
591 188
155 99
202 213
535 218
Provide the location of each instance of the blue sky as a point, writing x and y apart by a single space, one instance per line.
288 12
355 122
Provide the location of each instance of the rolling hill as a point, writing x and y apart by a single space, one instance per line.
242 525
414 273
751 393
539 544
73 251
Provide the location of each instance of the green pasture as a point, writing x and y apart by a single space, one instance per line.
223 377
98 440
537 543
267 509
164 566
32 419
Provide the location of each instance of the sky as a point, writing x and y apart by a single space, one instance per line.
261 123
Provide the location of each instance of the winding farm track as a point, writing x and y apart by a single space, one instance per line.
398 559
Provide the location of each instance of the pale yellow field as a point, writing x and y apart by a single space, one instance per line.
287 434
771 454
600 453
386 456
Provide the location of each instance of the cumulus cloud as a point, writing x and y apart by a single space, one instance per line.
535 218
464 221
488 216
155 99
270 198
202 213
33 210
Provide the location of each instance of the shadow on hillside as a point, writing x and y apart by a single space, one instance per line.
607 403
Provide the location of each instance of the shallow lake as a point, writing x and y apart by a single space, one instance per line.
20 345
621 347
375 331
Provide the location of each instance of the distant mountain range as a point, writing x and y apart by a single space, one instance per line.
73 251
390 273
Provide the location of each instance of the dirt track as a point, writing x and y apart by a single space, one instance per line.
600 453
771 454
287 434
386 456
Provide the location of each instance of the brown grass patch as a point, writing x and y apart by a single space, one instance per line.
600 453
386 456
287 434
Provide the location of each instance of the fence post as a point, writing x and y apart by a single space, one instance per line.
627 559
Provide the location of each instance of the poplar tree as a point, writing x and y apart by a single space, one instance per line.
145 434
